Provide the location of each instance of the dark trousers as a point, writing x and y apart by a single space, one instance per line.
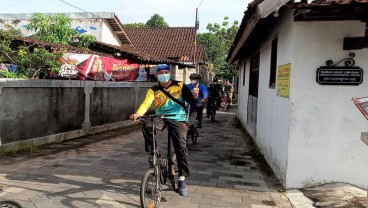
210 101
199 110
178 134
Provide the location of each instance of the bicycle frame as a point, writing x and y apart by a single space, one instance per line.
160 169
154 153
169 163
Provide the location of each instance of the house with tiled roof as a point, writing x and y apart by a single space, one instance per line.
175 43
105 26
112 39
300 63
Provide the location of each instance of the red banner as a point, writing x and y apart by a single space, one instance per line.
99 68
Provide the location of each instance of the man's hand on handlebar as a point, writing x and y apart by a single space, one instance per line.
134 116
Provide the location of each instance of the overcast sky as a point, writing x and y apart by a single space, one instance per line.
177 13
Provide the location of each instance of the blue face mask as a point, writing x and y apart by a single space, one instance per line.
164 78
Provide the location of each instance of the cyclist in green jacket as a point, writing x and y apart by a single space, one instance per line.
177 125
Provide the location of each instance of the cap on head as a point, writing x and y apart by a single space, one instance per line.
195 76
161 67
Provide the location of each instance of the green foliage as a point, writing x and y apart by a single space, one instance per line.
6 53
156 21
56 29
18 73
135 25
6 37
217 42
39 61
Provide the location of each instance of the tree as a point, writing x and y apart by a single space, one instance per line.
56 29
156 21
135 25
217 42
34 61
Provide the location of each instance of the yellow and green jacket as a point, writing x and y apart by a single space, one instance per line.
164 105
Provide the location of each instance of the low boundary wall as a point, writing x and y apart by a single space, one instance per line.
34 112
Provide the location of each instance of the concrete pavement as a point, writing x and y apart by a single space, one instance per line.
105 171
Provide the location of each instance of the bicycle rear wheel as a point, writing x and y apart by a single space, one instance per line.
150 196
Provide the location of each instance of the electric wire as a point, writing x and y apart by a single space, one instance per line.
80 8
199 4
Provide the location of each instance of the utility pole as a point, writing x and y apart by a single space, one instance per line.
195 38
195 41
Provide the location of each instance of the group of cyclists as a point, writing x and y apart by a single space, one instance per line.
215 92
169 97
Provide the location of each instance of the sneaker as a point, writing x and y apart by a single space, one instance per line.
182 188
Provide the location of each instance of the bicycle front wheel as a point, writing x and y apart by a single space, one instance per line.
150 196
213 115
9 204
195 135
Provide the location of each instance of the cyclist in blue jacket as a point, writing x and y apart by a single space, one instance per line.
200 94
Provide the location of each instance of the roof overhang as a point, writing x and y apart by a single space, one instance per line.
346 10
257 19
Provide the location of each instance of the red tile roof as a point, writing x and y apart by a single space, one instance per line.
177 43
98 48
130 54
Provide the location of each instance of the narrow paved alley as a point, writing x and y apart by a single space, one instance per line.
105 170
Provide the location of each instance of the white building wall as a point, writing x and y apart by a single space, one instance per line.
243 91
96 27
88 26
16 24
273 111
325 125
107 35
272 133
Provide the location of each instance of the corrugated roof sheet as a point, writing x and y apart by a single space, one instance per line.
177 43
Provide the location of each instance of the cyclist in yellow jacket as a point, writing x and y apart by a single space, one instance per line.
168 97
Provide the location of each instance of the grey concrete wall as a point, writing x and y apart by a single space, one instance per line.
43 111
106 105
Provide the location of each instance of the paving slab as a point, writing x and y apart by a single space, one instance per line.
105 170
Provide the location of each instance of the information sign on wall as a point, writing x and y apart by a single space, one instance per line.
340 76
345 74
283 80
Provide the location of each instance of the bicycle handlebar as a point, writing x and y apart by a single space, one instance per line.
151 117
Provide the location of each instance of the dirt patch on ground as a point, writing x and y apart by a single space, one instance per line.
337 195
